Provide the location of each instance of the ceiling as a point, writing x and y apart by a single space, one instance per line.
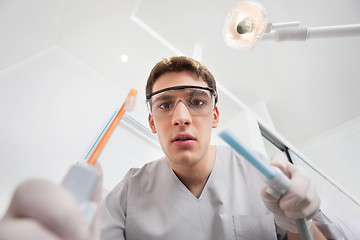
309 87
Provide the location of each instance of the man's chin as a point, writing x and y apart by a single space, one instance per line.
183 157
184 161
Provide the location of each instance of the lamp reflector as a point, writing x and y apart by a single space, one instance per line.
245 24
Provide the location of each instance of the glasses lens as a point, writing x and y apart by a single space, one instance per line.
197 101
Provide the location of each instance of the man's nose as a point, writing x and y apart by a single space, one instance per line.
181 115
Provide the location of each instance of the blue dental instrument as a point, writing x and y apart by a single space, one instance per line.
277 181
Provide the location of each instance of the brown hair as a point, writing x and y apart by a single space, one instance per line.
179 64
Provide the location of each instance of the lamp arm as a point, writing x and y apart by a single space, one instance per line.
305 33
334 31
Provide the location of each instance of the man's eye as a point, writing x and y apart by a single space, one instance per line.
164 105
197 102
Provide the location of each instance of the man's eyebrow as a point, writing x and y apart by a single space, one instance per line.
197 93
165 96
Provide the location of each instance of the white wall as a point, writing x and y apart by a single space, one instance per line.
52 108
337 152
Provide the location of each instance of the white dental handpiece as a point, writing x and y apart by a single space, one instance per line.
277 181
81 181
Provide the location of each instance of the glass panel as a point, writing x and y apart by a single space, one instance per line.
336 203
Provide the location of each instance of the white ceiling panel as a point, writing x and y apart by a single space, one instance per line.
27 27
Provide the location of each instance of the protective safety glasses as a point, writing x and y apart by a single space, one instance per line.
198 100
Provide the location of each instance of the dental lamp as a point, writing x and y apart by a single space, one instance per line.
247 23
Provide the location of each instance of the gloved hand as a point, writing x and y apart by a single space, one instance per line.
300 201
40 210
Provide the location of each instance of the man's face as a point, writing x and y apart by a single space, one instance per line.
183 135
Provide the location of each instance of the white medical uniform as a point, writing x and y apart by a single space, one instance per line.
152 203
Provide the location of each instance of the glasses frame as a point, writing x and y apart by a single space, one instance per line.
211 90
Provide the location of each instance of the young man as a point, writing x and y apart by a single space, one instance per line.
197 191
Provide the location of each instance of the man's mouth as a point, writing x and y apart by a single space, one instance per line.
183 137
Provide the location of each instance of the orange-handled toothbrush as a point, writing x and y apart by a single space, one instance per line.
127 105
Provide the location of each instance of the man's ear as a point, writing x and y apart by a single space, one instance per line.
216 117
151 123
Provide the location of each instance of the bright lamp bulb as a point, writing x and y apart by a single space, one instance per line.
245 24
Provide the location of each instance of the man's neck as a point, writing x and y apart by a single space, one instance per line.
195 176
